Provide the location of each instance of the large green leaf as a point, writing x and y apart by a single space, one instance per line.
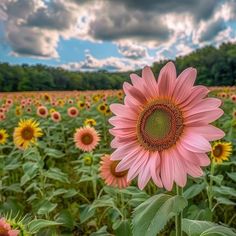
194 190
57 174
36 225
150 217
205 228
232 176
123 228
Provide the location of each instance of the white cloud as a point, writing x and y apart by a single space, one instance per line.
111 64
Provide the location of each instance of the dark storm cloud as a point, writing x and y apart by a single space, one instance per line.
28 42
144 19
54 16
212 30
200 9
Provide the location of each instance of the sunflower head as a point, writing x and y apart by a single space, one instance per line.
26 133
3 136
102 108
221 151
90 122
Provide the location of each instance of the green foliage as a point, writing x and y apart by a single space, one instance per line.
205 228
216 67
150 217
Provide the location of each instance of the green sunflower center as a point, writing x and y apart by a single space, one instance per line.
159 126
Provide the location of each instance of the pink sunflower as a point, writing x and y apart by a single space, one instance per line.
56 116
42 111
162 131
109 174
86 138
72 112
5 229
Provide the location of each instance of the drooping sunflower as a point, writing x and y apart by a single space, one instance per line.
221 151
26 133
162 131
109 174
3 136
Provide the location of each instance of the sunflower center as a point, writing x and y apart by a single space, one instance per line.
27 133
217 151
73 112
1 136
114 172
42 111
87 139
159 126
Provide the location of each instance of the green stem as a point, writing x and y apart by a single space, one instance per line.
210 195
178 218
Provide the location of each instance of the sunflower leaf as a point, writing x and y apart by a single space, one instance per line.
151 216
205 228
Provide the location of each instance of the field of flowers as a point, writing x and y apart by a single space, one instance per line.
57 177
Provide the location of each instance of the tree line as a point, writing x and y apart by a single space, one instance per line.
216 67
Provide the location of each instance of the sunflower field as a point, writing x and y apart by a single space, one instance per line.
58 177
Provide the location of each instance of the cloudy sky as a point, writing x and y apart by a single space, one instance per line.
115 35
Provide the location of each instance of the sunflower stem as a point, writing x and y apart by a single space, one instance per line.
210 195
178 218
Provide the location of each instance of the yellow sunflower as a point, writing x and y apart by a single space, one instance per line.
18 111
26 133
221 151
90 122
102 108
81 104
52 110
3 136
96 97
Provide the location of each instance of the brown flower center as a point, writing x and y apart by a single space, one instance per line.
114 172
87 139
1 136
42 111
56 116
73 112
217 152
159 126
27 133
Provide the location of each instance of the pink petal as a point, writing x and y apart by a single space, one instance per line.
197 93
155 169
144 175
180 174
167 80
124 150
203 159
123 111
204 105
209 132
202 118
184 84
150 81
195 142
138 164
167 170
122 122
